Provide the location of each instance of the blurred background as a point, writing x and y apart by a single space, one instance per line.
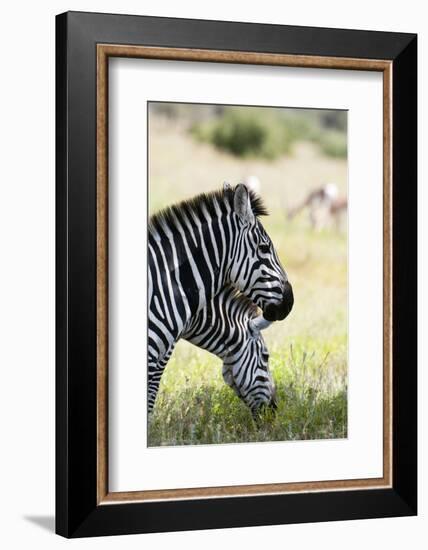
296 159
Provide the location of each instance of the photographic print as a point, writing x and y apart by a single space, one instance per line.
247 274
234 254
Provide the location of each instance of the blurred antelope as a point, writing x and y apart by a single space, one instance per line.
324 206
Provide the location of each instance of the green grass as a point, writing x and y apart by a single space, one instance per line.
308 350
195 407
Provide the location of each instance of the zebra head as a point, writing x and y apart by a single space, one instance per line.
255 268
246 368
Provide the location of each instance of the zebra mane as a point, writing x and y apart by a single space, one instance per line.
196 205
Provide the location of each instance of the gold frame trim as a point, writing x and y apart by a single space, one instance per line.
104 51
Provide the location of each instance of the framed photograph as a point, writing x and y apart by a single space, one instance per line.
236 274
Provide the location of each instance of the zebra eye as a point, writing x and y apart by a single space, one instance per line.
264 248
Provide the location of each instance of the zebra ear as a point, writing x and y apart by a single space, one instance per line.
242 204
258 323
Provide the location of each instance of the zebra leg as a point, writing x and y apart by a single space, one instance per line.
155 375
155 371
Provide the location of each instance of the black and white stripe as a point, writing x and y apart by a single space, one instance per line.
230 328
196 249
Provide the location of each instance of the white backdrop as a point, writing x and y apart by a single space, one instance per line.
27 274
133 466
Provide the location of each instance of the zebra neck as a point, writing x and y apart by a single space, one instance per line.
213 337
197 255
222 327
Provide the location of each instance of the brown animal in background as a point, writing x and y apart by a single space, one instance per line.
337 207
324 206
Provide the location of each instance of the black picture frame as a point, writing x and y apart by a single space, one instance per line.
77 511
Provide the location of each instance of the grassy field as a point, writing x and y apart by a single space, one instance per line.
308 351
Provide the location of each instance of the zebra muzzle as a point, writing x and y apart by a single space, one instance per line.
278 312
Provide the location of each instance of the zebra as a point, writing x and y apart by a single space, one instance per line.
196 248
230 327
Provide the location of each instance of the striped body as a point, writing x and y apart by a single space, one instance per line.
230 328
196 249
